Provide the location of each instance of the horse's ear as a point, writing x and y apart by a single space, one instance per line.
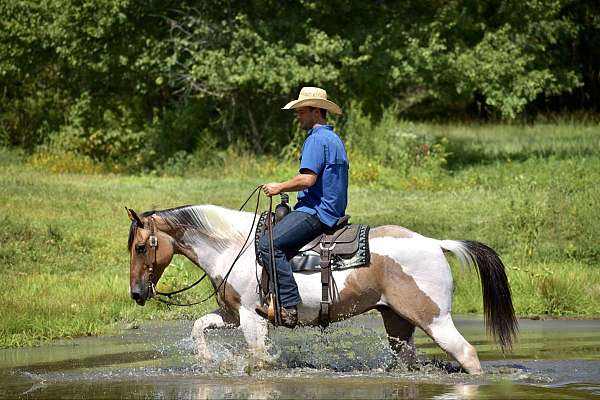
134 217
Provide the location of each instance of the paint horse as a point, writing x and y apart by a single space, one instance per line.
408 281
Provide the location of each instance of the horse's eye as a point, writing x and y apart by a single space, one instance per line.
140 248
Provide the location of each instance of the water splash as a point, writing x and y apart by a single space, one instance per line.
350 359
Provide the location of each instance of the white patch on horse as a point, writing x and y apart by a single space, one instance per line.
422 259
311 299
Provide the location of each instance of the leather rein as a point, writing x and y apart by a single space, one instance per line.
150 260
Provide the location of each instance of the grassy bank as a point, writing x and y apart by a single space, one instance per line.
531 193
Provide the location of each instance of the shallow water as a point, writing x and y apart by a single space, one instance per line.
552 360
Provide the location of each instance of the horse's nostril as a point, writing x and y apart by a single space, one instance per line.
138 297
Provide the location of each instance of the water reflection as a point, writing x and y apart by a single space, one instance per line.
460 391
313 388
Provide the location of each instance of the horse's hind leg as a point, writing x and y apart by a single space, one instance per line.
445 334
400 335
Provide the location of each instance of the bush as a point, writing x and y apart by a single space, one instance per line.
65 162
362 170
392 143
179 164
112 138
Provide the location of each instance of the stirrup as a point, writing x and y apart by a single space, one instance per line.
271 310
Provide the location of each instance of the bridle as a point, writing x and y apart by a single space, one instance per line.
150 264
149 254
150 259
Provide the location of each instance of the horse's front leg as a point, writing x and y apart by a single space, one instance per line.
219 318
255 331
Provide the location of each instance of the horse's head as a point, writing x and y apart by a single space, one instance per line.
150 251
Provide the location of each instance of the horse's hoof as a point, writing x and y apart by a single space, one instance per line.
256 363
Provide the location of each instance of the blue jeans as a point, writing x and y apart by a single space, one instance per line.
289 235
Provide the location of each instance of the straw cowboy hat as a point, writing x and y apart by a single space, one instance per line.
313 97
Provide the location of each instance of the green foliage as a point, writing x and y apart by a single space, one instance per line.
508 83
112 138
159 78
56 51
250 72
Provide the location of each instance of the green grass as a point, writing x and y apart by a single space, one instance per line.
531 193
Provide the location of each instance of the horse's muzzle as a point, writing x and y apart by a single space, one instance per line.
141 294
138 297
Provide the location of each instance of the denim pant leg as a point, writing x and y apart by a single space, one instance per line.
291 233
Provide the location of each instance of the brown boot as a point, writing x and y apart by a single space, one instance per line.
289 316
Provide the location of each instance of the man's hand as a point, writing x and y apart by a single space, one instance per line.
272 189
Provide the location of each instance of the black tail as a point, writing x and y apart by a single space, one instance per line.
497 302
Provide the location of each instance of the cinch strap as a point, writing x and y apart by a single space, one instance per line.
324 312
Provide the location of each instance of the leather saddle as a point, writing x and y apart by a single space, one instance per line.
343 246
347 243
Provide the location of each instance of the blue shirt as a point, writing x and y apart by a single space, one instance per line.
324 154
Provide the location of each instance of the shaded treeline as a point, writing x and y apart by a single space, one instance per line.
139 82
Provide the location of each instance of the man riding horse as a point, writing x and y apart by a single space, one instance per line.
322 183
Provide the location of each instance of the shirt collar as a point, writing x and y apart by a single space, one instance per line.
316 128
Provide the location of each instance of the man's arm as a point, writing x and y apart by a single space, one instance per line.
306 178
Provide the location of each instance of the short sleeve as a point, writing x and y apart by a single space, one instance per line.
313 155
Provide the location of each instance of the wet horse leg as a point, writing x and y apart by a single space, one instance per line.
400 336
445 334
219 318
417 305
439 326
255 332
